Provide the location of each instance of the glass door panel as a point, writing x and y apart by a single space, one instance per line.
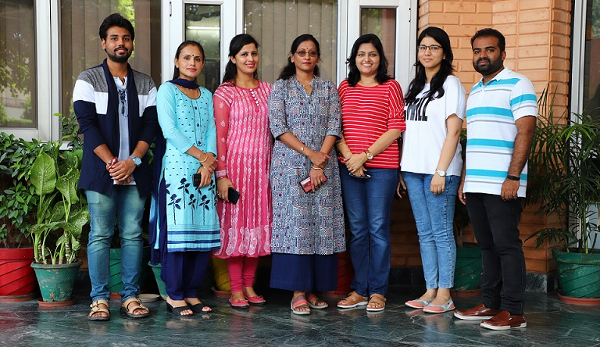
276 23
395 22
381 22
203 24
211 22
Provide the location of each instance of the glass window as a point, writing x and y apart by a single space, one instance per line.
591 97
276 23
381 22
17 64
80 43
203 24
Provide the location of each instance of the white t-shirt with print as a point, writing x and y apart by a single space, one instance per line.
426 129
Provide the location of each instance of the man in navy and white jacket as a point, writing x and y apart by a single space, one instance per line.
116 111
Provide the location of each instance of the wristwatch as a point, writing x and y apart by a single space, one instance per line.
442 173
369 154
137 161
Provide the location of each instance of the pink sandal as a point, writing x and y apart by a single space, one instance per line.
299 301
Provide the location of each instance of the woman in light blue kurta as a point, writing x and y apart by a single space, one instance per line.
187 218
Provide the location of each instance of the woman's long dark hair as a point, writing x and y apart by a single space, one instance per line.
290 69
178 52
382 70
436 89
235 46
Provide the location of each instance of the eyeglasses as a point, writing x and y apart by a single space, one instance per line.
432 48
312 54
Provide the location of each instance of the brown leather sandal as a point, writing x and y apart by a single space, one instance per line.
353 300
97 309
378 300
130 312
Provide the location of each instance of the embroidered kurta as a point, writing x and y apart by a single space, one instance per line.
192 222
305 223
244 153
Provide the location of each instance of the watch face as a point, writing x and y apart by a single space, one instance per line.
369 156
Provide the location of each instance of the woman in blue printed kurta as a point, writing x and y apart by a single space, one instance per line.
308 228
189 225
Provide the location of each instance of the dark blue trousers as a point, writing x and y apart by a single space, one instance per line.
304 272
183 273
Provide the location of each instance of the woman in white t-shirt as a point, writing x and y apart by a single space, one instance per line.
431 163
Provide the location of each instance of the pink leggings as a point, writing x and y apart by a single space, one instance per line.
241 272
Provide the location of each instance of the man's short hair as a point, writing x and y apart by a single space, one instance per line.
115 20
487 32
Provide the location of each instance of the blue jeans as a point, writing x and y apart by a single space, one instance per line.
368 204
434 215
126 204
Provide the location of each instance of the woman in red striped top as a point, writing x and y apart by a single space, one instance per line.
372 120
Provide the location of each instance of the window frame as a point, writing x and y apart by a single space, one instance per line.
47 78
578 58
406 17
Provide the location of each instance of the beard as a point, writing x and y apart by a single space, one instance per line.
489 69
118 58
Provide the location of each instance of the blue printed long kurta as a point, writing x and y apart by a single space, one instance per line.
192 221
305 223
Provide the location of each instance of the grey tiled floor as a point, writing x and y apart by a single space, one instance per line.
550 323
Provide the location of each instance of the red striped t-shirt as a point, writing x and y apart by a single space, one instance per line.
367 113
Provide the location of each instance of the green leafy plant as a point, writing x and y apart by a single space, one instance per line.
18 200
565 176
62 210
70 130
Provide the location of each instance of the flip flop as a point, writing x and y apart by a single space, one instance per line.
239 303
377 299
198 308
353 300
297 302
313 298
177 310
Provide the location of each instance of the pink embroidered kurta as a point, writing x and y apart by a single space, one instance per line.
244 156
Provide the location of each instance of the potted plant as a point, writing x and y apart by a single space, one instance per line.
61 215
17 209
565 176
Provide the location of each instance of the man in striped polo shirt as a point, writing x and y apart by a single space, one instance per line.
501 116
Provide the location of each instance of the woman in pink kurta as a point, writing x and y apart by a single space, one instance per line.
244 154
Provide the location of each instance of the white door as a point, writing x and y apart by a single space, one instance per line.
394 21
211 22
214 22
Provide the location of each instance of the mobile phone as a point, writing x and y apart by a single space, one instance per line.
365 177
196 179
233 195
307 186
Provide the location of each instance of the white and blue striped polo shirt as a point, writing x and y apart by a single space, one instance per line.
491 113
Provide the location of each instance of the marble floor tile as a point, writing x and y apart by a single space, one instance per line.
550 323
